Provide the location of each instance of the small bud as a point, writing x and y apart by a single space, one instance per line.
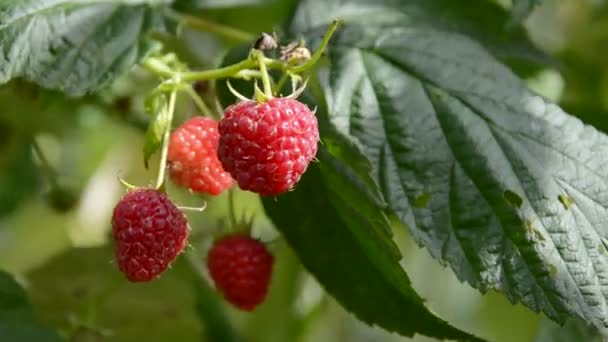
266 42
298 56
287 49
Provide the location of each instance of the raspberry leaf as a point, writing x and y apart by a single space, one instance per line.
17 319
73 46
215 4
154 134
573 330
506 188
346 244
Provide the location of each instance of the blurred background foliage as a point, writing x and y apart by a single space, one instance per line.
54 230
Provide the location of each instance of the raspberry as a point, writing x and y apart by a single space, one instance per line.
241 268
267 146
192 157
149 231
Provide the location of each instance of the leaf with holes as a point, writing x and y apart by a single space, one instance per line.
504 187
73 46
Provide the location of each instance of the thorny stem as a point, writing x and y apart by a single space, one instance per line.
170 109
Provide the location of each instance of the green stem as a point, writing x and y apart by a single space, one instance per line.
259 56
158 67
160 181
224 72
315 57
202 106
204 25
281 83
46 167
231 209
240 69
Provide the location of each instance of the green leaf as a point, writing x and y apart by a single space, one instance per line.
73 46
153 139
573 330
522 9
18 174
217 326
17 319
436 114
214 4
481 20
342 237
88 291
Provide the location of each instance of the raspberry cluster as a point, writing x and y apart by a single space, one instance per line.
264 147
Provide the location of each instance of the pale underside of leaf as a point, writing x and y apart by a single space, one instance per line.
442 121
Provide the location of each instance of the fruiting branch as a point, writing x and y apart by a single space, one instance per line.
245 69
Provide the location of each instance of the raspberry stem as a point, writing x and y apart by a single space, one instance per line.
160 180
244 69
259 57
207 26
231 208
320 50
199 102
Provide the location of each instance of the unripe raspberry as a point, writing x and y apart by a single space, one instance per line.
149 232
241 268
266 147
192 157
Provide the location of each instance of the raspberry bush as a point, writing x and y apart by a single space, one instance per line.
265 170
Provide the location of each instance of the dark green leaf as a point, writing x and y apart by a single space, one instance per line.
153 139
483 21
18 174
73 46
222 3
573 330
342 237
437 114
17 319
208 305
85 283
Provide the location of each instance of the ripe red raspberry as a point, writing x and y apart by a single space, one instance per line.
192 157
267 146
241 268
149 232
